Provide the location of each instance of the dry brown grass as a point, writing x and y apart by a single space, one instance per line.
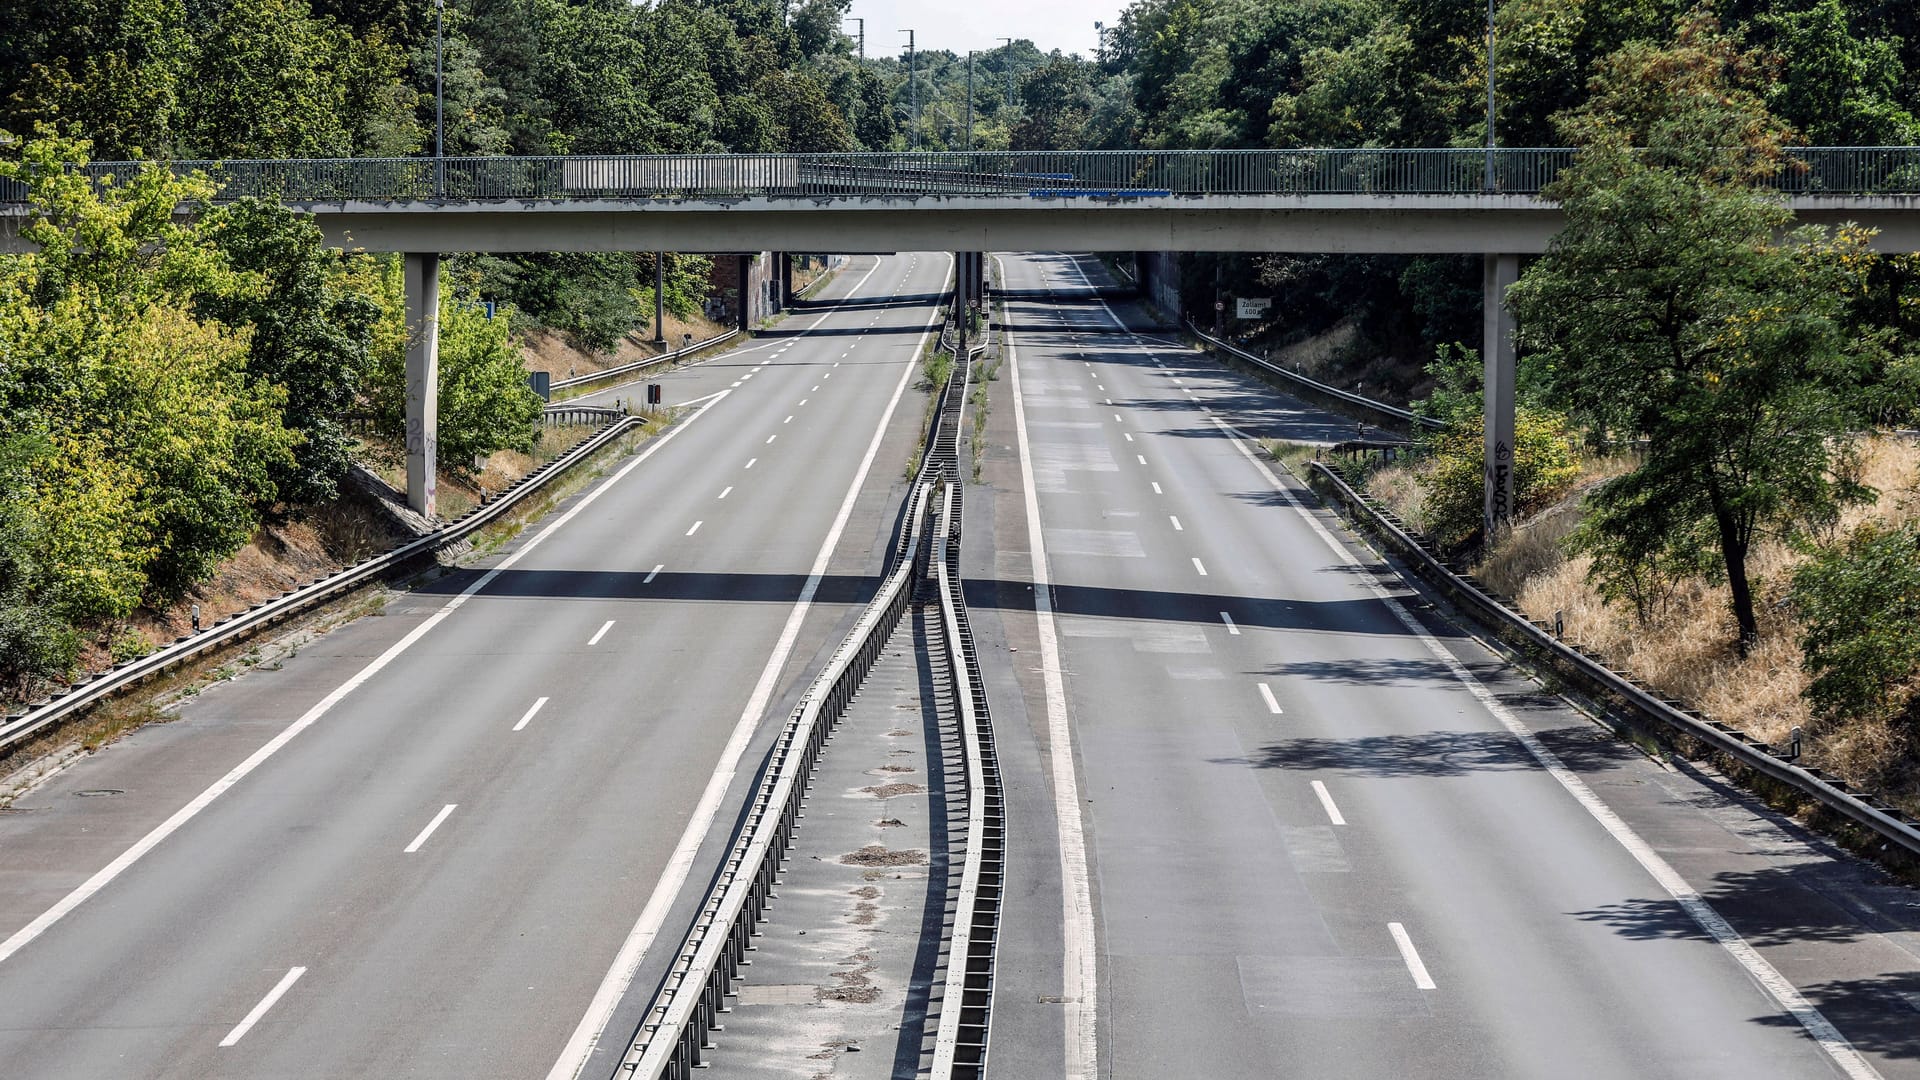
1398 488
1686 650
544 350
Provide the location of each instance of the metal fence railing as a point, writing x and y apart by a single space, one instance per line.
1044 174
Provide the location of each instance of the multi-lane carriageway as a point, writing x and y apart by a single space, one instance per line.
1270 813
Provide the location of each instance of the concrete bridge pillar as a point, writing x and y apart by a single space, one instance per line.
422 277
1498 358
783 274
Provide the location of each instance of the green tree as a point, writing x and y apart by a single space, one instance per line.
159 449
1672 308
1838 89
270 81
311 336
1058 100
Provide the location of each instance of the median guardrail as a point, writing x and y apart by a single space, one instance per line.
641 365
1664 719
83 695
1391 414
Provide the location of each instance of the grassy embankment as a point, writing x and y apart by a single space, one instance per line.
1686 647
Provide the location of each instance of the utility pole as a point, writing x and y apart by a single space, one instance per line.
969 100
1490 186
439 103
1009 42
913 90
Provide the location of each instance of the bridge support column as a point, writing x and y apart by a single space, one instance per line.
745 313
659 299
1498 357
783 273
422 284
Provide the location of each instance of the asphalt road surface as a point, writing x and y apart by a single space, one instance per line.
455 828
1326 833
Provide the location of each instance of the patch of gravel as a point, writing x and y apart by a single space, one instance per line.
877 855
888 791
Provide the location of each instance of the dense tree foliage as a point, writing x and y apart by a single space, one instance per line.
1677 306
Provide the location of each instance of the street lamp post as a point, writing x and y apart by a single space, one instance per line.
913 91
1009 42
1490 185
439 102
969 100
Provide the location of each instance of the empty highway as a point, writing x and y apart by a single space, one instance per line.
439 842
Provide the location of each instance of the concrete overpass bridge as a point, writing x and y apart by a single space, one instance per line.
1351 201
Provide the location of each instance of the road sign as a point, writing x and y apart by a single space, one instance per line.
1247 307
1219 305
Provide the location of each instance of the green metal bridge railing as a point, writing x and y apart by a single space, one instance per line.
1010 174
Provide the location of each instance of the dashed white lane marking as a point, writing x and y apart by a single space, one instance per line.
788 420
538 704
1102 389
726 491
1266 695
1177 527
815 390
829 374
750 462
600 633
1411 955
105 875
640 938
1128 434
428 831
736 383
240 1029
1142 458
747 376
1326 803
836 363
1199 566
1232 627
1116 418
1783 992
770 438
1156 488
653 573
1109 401
696 527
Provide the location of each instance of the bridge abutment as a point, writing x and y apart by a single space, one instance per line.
1498 359
422 277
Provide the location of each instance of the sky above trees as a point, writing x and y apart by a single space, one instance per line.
1066 25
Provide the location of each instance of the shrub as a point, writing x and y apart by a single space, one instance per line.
1543 471
1860 604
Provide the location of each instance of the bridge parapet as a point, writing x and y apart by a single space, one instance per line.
1093 174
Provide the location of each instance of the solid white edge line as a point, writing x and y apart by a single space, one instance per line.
600 633
613 986
1411 955
1079 984
428 831
200 802
1232 627
280 988
1266 695
1783 992
653 573
537 706
1326 803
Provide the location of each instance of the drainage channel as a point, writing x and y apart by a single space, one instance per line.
852 930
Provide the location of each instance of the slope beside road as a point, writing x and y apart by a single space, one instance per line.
434 842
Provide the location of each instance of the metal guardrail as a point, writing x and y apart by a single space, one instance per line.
71 701
674 1035
1393 413
1864 810
1093 174
641 365
575 414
